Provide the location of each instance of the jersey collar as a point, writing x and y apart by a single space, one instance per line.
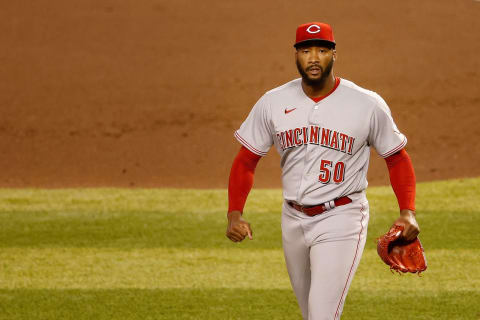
318 99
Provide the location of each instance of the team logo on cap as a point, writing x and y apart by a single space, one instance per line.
313 29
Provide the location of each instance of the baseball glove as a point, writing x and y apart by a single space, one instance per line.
400 255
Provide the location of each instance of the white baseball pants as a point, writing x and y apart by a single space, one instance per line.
322 254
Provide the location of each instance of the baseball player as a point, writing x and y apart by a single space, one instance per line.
323 127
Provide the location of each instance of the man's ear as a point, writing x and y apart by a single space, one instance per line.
334 54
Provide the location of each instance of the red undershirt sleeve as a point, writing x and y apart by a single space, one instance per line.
402 179
241 179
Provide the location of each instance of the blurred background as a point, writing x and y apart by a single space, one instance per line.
149 93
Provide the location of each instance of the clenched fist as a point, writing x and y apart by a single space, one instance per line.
238 228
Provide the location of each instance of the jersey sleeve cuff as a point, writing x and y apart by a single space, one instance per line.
248 145
396 149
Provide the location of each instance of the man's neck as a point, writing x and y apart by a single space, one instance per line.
321 89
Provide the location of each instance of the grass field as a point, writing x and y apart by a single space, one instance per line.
162 254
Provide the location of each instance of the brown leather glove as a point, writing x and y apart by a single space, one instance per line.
401 255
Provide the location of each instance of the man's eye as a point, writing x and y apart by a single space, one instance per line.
305 51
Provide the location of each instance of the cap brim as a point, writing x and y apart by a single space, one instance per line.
304 42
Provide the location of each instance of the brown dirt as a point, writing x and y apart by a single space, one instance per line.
148 93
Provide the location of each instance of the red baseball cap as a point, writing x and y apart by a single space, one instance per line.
314 31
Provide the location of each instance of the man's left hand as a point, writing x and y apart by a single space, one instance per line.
409 223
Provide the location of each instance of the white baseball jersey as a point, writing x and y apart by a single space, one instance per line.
324 146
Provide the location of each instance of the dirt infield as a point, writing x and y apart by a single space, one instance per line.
107 93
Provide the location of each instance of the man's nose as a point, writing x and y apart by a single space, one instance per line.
314 56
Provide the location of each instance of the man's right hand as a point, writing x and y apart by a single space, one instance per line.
238 228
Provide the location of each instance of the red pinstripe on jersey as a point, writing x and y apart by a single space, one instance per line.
396 149
353 263
249 146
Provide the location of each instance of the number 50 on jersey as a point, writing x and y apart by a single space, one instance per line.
329 171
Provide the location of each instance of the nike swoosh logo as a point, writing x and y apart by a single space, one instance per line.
288 111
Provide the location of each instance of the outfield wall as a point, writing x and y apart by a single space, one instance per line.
105 93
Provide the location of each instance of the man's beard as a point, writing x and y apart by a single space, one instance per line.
315 82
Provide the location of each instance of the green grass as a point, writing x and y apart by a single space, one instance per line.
163 254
